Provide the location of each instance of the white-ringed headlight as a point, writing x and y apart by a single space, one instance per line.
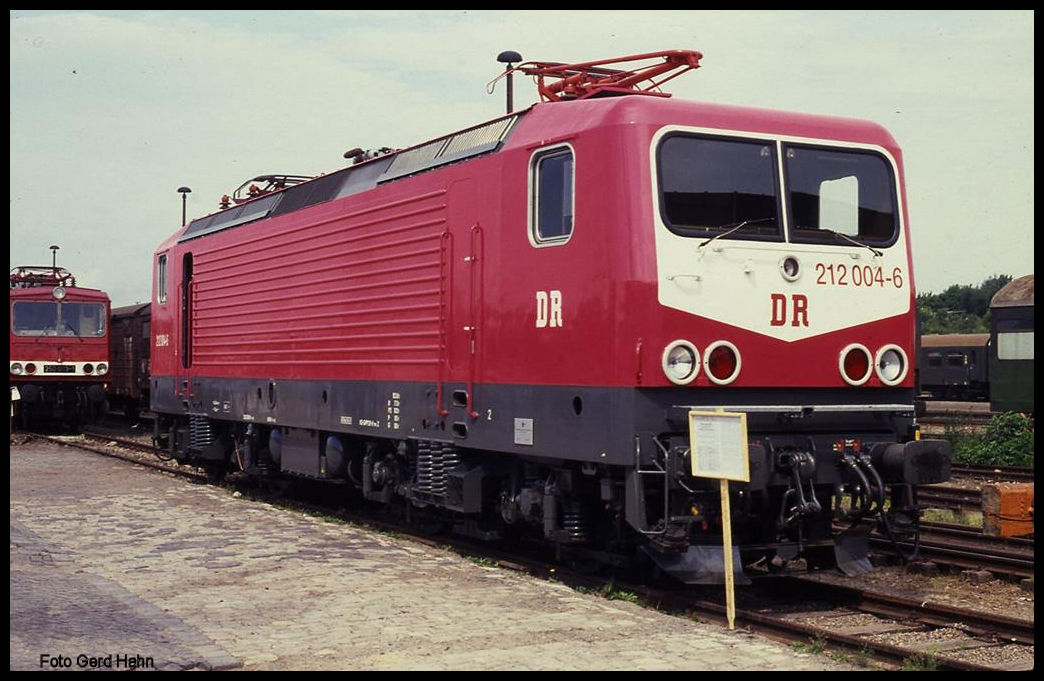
891 364
58 292
681 362
16 368
102 368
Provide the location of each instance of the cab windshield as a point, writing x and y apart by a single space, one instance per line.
710 185
735 188
833 194
38 318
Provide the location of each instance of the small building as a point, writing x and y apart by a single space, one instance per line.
1011 347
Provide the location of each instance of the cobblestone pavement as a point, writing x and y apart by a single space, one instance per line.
114 565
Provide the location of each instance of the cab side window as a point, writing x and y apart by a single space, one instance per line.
551 196
161 279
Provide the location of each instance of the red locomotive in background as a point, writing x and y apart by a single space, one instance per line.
59 348
507 326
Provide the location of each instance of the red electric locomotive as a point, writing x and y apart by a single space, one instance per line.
509 325
59 348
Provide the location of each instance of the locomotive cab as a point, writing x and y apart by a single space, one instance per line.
785 250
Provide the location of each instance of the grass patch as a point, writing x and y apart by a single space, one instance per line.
483 561
860 658
944 515
612 593
1006 440
921 662
814 646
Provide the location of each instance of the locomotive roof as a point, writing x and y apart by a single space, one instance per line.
468 143
538 124
72 293
556 119
1017 293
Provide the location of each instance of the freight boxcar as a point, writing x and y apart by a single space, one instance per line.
129 352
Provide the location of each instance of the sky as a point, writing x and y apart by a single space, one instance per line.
113 110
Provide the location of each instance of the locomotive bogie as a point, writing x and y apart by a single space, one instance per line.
42 404
565 501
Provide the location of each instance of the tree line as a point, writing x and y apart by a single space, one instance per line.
961 308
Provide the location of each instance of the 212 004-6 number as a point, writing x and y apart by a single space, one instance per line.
857 275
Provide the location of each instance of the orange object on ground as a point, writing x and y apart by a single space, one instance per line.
1007 509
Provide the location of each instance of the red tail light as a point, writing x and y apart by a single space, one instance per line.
855 364
723 362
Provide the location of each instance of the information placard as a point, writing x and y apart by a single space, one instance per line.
718 445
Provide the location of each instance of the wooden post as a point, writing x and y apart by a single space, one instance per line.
718 450
726 531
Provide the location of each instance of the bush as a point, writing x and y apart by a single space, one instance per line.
1007 440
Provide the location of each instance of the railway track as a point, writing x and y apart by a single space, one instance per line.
864 624
998 473
950 497
126 449
966 547
888 628
1005 561
808 613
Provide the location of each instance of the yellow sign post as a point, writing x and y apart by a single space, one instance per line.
718 449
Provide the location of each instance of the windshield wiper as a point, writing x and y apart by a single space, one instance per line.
73 329
733 229
851 240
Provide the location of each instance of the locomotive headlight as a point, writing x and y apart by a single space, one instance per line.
681 362
854 364
16 368
891 364
88 368
58 292
102 368
722 360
